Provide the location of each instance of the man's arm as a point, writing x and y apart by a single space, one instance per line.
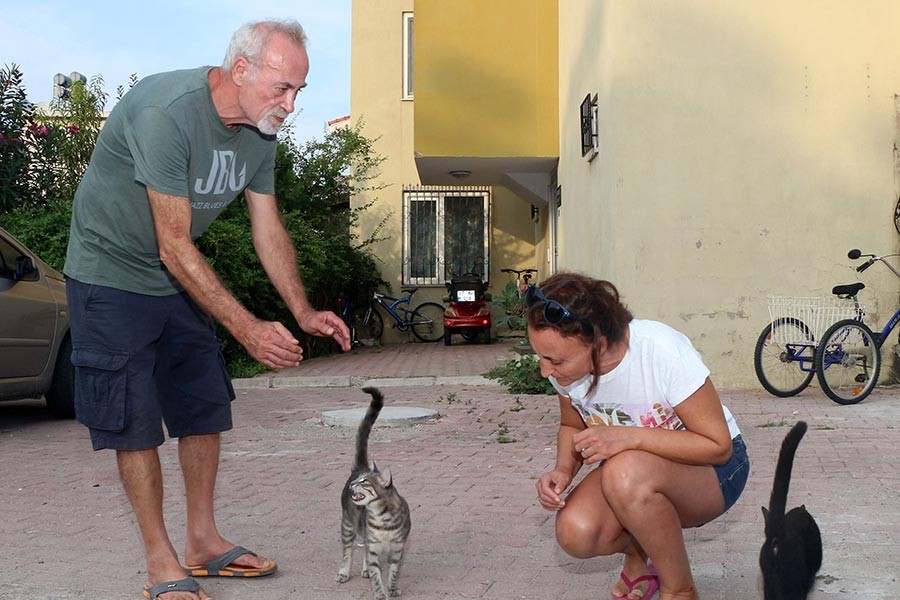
279 259
269 343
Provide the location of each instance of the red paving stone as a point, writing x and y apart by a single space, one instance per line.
478 531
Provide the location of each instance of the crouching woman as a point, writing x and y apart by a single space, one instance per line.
637 405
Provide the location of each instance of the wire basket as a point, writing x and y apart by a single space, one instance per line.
818 314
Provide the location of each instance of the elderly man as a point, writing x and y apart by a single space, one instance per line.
176 150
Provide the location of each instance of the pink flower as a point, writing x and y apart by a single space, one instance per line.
73 129
39 130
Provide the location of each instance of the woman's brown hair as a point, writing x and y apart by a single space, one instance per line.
594 300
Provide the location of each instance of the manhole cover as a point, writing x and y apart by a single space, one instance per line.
391 416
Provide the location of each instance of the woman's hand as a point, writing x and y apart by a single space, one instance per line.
550 487
599 442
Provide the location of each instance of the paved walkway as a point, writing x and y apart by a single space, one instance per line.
478 531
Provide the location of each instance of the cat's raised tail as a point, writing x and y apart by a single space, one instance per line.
365 428
778 500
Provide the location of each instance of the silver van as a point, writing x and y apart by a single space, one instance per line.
35 345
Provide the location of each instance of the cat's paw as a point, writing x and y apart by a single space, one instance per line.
394 592
343 577
365 573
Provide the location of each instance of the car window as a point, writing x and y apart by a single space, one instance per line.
8 256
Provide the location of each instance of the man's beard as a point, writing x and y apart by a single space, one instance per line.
268 124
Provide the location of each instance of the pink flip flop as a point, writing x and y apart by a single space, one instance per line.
652 587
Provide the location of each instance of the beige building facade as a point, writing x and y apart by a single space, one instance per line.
706 155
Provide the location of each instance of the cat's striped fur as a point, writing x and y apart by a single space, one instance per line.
373 511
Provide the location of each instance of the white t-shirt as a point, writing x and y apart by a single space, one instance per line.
661 369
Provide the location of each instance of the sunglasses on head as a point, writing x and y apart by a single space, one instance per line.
554 312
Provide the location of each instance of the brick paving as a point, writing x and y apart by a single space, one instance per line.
478 531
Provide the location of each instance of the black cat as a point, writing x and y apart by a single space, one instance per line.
792 553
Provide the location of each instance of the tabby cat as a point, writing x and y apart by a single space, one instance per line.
792 553
373 511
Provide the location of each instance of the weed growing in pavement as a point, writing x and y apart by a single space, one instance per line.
453 398
522 376
518 406
503 436
781 423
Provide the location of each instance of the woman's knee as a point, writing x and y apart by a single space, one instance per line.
583 538
628 479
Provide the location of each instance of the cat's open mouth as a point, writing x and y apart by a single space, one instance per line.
357 497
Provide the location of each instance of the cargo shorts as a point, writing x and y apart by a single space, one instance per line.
141 361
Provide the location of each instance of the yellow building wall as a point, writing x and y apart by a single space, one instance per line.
744 148
482 73
375 98
375 101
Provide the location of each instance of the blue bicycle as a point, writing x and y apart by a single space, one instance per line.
426 321
846 357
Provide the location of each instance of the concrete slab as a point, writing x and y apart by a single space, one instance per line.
391 416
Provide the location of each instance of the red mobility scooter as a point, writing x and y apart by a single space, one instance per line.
469 314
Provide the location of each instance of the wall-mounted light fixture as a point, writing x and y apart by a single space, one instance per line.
535 213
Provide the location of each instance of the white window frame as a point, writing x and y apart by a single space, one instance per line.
408 32
438 195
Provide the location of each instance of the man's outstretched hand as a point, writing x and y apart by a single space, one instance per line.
325 323
272 344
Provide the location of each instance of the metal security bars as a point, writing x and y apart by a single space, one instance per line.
446 232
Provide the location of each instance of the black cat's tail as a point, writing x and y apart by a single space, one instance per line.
365 428
778 500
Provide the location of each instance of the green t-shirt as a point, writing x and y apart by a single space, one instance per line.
164 134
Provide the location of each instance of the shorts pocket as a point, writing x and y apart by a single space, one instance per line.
229 388
101 381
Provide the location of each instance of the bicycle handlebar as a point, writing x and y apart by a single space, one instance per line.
855 253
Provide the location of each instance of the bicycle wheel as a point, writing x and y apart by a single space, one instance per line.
848 361
368 325
779 364
427 321
897 216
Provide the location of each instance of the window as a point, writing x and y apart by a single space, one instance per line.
407 56
589 127
445 233
11 259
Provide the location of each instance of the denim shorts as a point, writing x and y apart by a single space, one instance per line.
143 360
733 474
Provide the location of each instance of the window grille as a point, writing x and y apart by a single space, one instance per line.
446 232
589 130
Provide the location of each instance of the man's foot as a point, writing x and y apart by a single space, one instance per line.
234 561
181 589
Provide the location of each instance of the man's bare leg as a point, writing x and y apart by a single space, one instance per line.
199 456
141 476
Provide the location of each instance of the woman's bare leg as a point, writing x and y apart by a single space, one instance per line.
587 527
654 499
